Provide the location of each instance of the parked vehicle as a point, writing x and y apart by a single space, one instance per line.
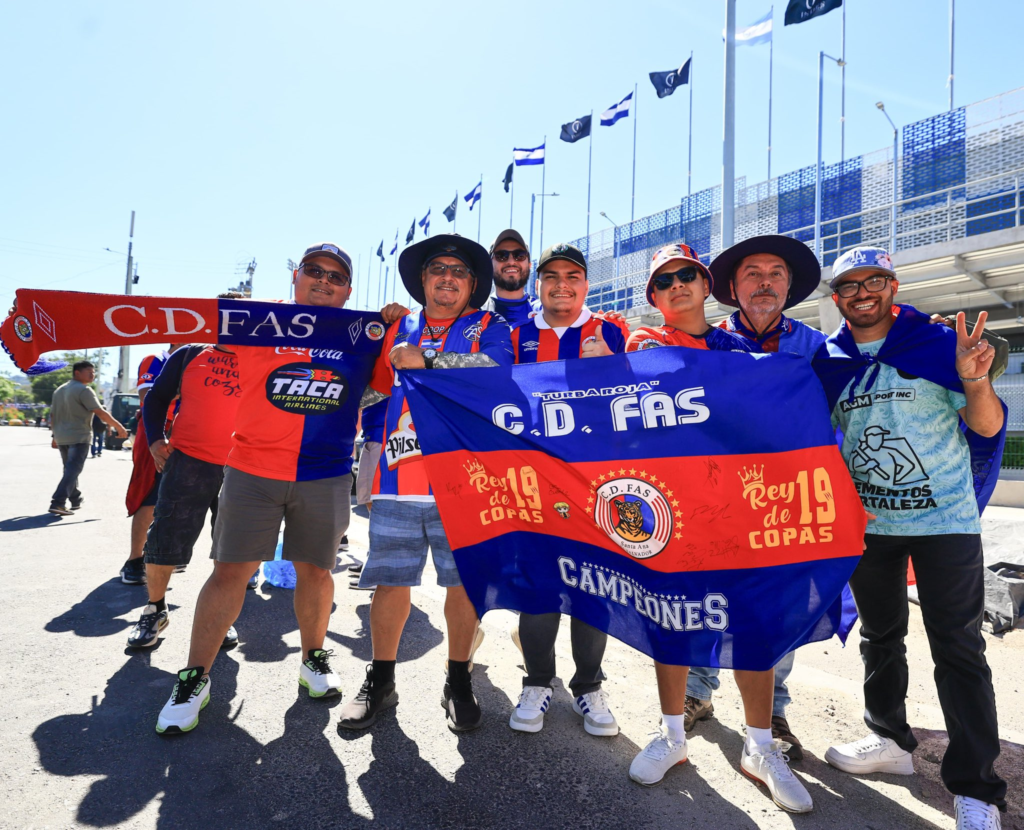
124 407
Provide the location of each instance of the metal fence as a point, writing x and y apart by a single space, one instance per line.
958 174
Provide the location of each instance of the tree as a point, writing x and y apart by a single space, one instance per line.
7 390
43 386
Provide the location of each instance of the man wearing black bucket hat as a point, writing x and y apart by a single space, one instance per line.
451 277
762 277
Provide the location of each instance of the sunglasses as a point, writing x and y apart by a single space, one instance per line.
665 281
873 284
519 255
439 269
333 277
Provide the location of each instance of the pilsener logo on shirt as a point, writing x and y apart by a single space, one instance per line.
307 389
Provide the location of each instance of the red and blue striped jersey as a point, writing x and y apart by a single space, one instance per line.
401 473
536 342
149 368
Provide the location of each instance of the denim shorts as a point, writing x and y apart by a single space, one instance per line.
400 533
188 488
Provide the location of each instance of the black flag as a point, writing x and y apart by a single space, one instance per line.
800 11
665 83
508 177
449 212
575 130
412 232
380 250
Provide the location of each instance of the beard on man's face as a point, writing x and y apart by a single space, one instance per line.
513 280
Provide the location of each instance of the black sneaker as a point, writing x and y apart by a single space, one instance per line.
371 700
784 735
148 628
75 505
343 544
460 706
133 572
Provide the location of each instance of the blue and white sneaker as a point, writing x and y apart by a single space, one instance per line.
190 695
533 704
597 716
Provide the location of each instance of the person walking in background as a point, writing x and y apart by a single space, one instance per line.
71 413
99 433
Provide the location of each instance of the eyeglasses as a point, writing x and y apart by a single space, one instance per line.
519 255
333 277
439 269
667 280
874 284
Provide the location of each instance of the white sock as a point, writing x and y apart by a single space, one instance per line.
756 737
674 727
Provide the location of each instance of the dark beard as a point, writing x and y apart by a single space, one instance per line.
505 284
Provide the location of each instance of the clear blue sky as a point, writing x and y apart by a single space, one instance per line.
250 130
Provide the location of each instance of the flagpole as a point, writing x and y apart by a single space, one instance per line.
511 194
952 8
590 161
543 190
480 210
632 209
380 268
842 94
455 219
771 63
729 128
689 152
394 262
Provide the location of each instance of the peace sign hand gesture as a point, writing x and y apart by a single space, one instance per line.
974 356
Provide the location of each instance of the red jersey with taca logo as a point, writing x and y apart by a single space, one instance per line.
717 340
297 415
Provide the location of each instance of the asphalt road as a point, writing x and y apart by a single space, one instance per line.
77 725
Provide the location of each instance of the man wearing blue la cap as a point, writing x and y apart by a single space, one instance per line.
900 389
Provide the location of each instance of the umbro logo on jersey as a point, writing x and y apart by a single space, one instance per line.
531 346
307 389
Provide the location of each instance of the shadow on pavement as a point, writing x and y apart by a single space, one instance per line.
271 612
97 614
419 637
838 793
37 522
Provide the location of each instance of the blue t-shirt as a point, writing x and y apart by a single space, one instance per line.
515 312
907 455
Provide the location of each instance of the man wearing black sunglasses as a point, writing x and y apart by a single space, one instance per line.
511 260
678 286
916 407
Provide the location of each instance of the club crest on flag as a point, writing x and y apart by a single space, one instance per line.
375 331
634 513
23 329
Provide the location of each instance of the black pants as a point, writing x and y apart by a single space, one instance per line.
537 633
950 584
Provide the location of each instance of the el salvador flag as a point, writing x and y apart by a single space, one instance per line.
619 110
425 223
395 247
522 156
760 31
474 195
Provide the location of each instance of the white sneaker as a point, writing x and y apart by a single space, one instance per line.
770 767
972 814
190 695
657 758
597 717
529 713
871 754
317 676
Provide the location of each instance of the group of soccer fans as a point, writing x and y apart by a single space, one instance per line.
246 444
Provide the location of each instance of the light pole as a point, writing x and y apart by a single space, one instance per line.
818 171
615 248
895 177
533 202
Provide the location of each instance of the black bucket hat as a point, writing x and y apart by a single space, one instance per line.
801 261
473 254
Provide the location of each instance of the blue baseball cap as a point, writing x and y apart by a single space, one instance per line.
861 259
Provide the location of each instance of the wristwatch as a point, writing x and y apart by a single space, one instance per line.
428 358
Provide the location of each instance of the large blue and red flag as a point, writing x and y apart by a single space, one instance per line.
692 504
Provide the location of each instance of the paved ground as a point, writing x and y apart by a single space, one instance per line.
76 728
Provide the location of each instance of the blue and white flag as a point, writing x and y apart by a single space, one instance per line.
395 246
425 223
528 156
619 110
474 195
760 31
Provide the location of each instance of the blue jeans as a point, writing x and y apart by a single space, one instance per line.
73 456
97 442
702 682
